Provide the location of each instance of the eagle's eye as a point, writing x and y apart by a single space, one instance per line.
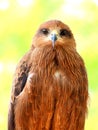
45 31
64 32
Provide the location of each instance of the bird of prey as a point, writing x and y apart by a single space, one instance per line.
50 84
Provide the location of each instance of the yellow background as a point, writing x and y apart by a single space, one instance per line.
19 20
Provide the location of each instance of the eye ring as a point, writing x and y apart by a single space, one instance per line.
45 31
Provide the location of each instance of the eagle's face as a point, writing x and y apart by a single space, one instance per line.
53 33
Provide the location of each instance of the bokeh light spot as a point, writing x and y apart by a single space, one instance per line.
4 4
25 3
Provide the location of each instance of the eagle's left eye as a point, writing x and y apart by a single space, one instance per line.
45 31
64 32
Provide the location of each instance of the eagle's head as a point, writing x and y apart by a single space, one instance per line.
53 33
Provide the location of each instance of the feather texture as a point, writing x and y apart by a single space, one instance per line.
54 94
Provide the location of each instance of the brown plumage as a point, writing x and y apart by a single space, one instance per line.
50 86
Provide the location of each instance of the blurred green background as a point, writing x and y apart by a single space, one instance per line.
19 20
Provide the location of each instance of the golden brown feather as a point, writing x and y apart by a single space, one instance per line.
50 87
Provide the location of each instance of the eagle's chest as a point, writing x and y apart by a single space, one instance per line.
48 83
48 72
47 80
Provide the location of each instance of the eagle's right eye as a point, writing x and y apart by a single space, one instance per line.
45 31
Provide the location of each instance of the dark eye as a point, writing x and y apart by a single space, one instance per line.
64 32
45 31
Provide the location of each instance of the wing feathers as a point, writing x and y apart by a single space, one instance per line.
19 82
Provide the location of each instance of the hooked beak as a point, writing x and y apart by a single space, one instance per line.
53 38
